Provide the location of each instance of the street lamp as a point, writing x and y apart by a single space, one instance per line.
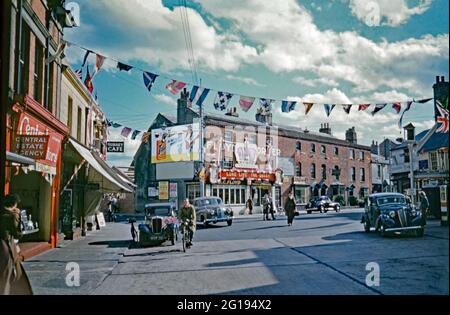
410 139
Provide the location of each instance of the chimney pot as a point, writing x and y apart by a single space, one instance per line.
442 79
437 79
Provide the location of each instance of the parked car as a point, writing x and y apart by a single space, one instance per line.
322 204
212 210
391 213
160 225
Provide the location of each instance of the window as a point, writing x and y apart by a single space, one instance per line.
433 161
298 146
79 124
406 155
214 192
361 155
69 113
337 172
232 195
252 139
86 125
353 174
228 136
324 171
49 86
323 149
193 191
301 194
24 60
362 175
312 148
227 196
243 199
336 151
379 171
313 170
38 71
227 164
298 169
238 196
351 153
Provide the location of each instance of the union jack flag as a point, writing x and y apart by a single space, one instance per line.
442 118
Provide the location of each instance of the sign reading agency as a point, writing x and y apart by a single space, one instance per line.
32 146
115 146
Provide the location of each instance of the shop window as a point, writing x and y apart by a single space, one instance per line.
214 192
323 149
301 194
298 146
336 151
243 198
312 148
227 196
238 196
221 195
312 170
193 191
232 195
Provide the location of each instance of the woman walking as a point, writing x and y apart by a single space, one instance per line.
289 207
13 279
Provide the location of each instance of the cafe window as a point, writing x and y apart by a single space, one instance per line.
323 149
362 174
312 170
298 169
336 151
312 148
38 71
298 146
230 195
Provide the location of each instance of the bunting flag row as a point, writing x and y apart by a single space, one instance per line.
126 131
222 99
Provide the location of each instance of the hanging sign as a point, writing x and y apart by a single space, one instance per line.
115 146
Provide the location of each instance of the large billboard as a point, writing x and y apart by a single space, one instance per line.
175 144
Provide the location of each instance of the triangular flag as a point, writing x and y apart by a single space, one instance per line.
116 125
308 107
329 108
86 57
123 67
423 101
288 106
397 107
266 103
88 81
99 60
198 95
408 107
347 108
246 102
126 132
222 100
363 107
377 108
149 79
175 86
135 134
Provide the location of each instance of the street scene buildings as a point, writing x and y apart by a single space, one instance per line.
112 134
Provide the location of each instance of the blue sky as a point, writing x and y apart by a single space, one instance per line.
341 51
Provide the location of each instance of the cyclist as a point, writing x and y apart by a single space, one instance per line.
187 214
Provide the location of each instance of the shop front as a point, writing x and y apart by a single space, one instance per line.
302 191
36 136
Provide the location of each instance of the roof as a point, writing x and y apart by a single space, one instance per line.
418 137
436 141
385 194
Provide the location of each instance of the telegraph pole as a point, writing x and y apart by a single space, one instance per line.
202 158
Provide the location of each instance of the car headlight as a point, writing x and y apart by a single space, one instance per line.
211 212
392 214
413 212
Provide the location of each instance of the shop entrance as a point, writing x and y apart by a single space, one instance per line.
258 193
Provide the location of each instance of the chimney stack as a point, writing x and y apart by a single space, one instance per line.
440 89
264 116
350 135
374 148
325 128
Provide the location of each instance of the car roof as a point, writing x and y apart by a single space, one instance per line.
386 194
159 204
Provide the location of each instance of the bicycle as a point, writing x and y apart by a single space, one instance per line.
185 234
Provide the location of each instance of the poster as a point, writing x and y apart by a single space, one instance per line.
175 144
173 190
163 188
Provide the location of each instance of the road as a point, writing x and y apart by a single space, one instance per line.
319 254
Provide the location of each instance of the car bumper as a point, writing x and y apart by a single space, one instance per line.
216 220
408 228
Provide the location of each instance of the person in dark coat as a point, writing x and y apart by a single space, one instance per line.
249 205
424 205
289 208
187 213
266 205
13 279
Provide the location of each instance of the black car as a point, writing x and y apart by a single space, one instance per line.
322 204
161 225
390 213
212 210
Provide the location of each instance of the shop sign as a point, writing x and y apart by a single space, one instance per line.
34 147
299 180
232 182
29 126
238 175
152 191
115 146
173 190
163 188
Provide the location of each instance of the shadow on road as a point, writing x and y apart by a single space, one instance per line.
114 244
266 227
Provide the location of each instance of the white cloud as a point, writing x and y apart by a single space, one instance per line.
165 99
315 82
386 12
245 80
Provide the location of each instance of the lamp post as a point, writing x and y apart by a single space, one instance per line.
410 138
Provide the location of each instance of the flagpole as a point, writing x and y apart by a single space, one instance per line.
202 159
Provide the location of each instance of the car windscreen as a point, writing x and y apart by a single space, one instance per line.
158 211
208 202
391 200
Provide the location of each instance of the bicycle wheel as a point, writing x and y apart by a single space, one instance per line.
184 240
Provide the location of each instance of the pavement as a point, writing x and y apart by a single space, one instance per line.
319 254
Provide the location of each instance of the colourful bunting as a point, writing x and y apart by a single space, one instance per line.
363 107
222 100
442 118
135 134
397 107
347 108
175 86
308 107
149 79
266 104
126 132
86 57
328 108
88 81
99 60
123 67
246 102
408 107
288 106
377 108
198 95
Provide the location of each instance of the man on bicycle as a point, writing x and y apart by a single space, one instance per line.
187 214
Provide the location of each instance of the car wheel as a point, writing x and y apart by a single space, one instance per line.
308 211
229 222
321 209
420 232
172 239
205 223
366 226
337 208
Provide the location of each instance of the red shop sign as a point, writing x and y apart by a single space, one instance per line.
29 126
34 147
246 175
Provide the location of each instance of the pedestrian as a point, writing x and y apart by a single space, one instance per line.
424 205
133 230
289 207
266 204
271 208
249 205
13 279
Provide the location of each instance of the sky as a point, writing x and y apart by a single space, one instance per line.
337 52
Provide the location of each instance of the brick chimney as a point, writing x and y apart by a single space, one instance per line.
350 135
440 89
232 112
325 128
374 148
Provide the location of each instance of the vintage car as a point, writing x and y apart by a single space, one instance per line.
391 213
161 224
322 204
212 210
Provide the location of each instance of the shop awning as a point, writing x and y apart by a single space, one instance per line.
101 175
20 159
